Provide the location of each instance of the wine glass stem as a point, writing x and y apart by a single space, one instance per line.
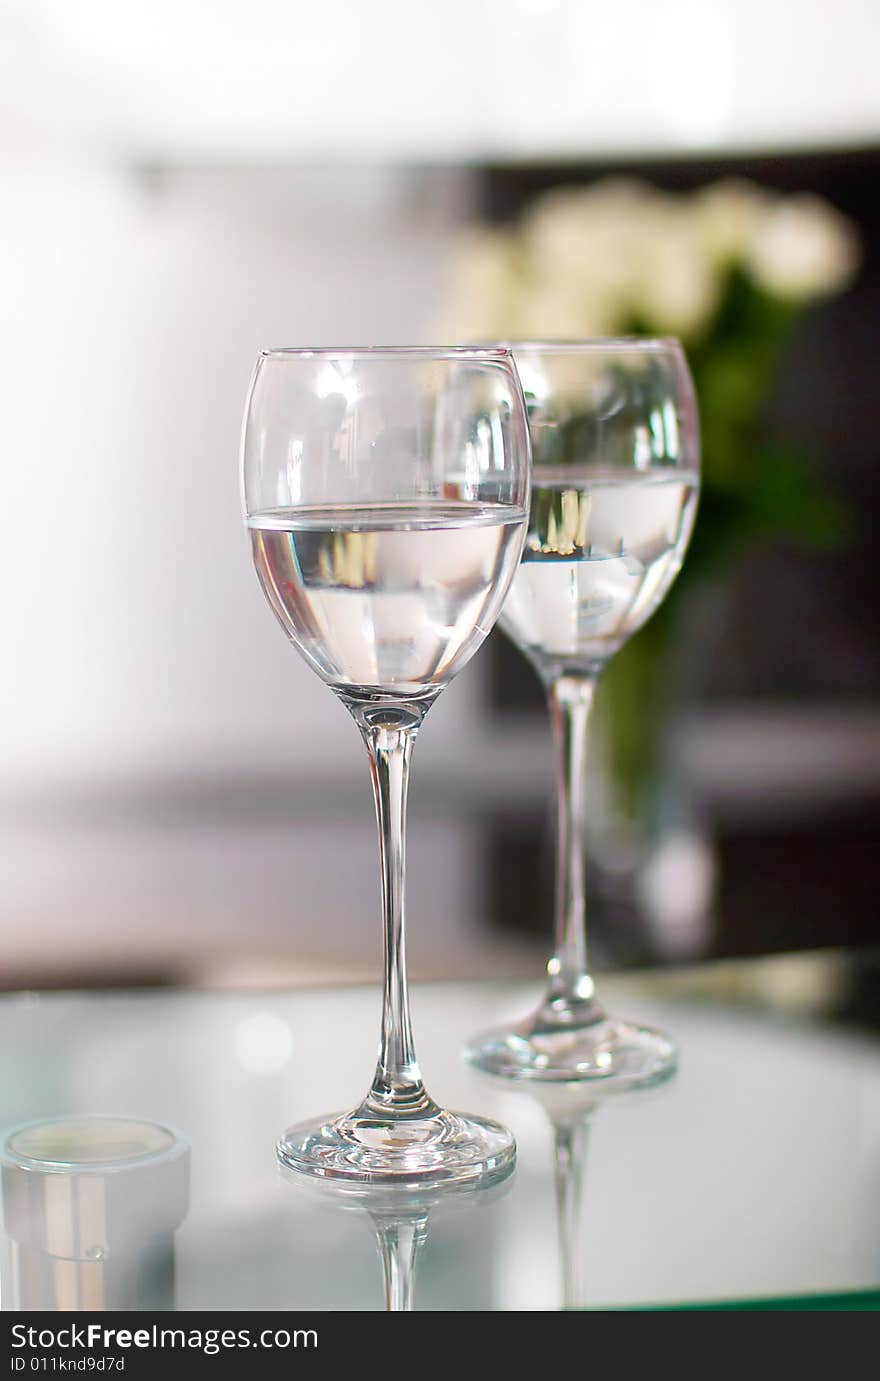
397 1087
570 698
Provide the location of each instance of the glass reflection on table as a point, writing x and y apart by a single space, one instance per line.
571 1112
714 1189
400 1218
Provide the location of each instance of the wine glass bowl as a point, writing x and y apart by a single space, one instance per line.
385 526
614 496
615 483
386 493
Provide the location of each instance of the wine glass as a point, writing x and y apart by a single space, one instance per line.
615 481
386 492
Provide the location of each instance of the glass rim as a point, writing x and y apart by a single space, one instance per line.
11 1156
496 353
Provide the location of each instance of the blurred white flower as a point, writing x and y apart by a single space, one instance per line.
623 250
804 248
484 287
679 282
590 261
588 237
550 309
729 215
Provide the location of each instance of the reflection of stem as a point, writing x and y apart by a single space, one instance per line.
399 1241
570 1135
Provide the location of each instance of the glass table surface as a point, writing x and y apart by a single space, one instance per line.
753 1175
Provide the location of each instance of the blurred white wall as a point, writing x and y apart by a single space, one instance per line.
466 79
135 638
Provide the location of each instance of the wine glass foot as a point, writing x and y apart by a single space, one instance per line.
604 1053
444 1148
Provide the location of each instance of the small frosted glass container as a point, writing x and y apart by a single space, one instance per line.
90 1208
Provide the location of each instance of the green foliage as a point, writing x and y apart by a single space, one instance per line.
754 490
630 704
